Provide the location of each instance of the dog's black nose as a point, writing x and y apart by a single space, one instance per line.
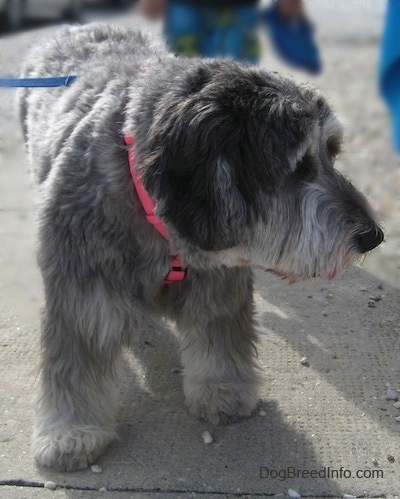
370 240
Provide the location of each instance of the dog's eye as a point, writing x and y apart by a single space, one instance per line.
334 146
307 167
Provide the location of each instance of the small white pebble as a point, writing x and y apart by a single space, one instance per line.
103 489
50 485
364 289
396 405
349 496
207 437
304 361
293 493
96 468
397 418
176 370
262 413
392 394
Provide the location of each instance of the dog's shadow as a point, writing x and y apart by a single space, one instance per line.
347 329
352 350
149 373
161 448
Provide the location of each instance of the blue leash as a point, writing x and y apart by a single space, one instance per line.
59 81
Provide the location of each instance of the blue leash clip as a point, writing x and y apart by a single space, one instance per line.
59 81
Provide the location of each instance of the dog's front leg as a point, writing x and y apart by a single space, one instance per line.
81 337
216 319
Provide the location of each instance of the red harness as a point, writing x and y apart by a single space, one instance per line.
177 273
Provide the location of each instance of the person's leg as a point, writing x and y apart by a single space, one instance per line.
241 40
217 22
152 9
183 28
231 32
290 8
389 68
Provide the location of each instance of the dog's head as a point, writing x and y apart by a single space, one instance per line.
240 161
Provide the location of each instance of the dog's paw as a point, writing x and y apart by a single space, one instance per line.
221 403
70 449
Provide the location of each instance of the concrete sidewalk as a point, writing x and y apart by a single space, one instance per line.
332 414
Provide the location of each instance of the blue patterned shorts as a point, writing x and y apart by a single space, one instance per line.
213 31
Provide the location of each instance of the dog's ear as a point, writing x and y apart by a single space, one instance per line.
222 139
199 197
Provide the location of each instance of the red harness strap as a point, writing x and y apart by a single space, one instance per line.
177 273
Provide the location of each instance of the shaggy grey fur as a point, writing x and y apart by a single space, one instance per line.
239 162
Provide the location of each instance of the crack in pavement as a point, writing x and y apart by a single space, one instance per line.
158 490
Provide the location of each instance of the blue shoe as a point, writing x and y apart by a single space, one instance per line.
389 69
293 40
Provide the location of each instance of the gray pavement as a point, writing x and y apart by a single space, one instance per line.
332 414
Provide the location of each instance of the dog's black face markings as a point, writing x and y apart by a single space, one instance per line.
228 135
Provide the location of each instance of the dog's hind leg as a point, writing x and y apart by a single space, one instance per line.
215 315
82 333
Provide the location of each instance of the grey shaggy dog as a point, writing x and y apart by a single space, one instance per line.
239 162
